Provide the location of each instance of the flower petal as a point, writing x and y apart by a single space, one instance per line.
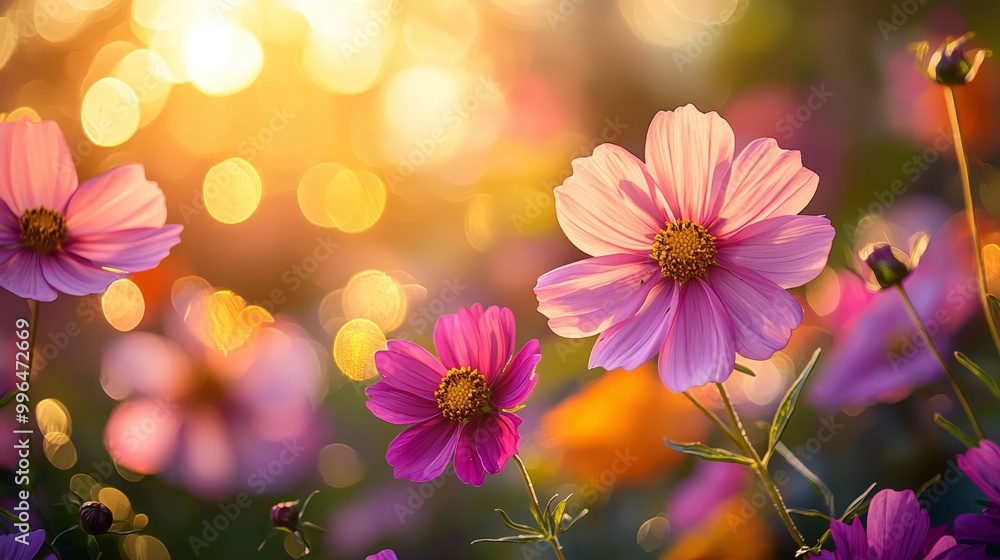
132 250
75 276
700 345
765 181
487 443
37 167
397 406
787 250
497 334
606 206
119 199
422 451
982 465
457 338
896 525
763 314
850 540
586 297
634 341
383 555
689 154
982 528
518 379
21 273
10 225
408 367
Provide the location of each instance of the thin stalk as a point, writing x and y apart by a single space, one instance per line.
970 212
937 356
714 418
552 539
761 469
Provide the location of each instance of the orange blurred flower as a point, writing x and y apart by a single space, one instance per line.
623 412
731 534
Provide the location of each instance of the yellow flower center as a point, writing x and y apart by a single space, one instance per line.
43 230
463 394
684 250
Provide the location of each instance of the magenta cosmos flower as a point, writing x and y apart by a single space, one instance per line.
691 251
384 555
982 466
459 401
898 529
58 236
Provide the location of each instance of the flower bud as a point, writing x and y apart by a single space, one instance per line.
886 266
951 64
285 515
95 518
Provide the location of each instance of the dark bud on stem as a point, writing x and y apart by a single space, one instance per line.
285 516
95 518
886 266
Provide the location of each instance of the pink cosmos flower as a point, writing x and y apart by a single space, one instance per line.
691 251
459 401
58 236
210 421
384 555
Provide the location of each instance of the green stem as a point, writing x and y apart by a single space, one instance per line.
970 212
714 418
937 356
761 469
552 539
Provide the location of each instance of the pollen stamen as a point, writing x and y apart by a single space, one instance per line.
684 250
43 230
463 394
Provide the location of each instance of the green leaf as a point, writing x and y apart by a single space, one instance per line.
979 372
93 549
9 515
314 526
784 412
995 301
515 525
928 484
810 513
549 527
539 517
817 484
954 430
698 449
305 504
7 398
513 539
573 521
858 505
557 514
515 409
744 369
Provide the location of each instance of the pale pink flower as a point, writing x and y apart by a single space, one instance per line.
691 251
59 236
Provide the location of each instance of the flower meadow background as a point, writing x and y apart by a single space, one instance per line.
355 169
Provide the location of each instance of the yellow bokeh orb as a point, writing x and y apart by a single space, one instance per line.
123 305
221 57
377 297
355 346
110 112
232 191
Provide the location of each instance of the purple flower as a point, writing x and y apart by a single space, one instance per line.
384 555
982 466
17 547
459 402
897 530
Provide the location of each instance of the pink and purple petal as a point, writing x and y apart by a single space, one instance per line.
765 181
120 199
406 366
787 250
383 555
850 540
897 525
457 338
398 406
10 226
21 273
518 379
700 345
763 314
37 166
422 451
636 340
584 298
132 250
979 528
689 154
72 275
497 337
606 206
959 552
982 465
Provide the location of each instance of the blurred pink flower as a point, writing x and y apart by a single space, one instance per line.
459 401
210 421
58 236
691 250
383 555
